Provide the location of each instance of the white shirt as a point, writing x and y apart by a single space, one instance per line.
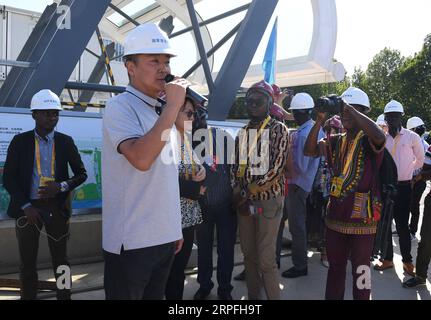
140 209
407 151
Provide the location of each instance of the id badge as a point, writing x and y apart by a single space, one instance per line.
44 181
336 185
255 210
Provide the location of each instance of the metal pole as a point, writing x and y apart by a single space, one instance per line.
119 11
211 20
94 87
107 62
213 50
92 53
200 44
19 64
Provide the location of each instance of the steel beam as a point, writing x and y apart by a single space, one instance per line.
217 46
94 87
211 20
95 77
18 64
200 45
124 15
239 58
56 47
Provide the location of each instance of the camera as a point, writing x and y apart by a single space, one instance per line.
331 104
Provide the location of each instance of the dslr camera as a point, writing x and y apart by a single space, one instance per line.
331 104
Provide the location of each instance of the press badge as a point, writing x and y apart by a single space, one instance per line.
45 180
336 186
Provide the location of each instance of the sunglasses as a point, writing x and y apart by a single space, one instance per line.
255 102
189 114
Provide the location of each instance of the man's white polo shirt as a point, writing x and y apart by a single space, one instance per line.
140 209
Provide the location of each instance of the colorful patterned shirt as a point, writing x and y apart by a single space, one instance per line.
354 210
271 148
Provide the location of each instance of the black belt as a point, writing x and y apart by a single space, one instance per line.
404 183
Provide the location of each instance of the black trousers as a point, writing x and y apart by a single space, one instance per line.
401 217
224 221
417 192
57 227
424 250
175 285
139 274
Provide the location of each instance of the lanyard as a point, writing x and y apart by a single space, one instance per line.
348 161
242 162
190 153
39 169
253 146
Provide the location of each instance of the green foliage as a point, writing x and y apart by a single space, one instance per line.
388 76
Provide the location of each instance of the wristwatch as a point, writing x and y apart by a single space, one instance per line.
64 186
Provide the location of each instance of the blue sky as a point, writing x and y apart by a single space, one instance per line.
364 27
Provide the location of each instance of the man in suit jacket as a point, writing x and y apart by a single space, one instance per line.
37 178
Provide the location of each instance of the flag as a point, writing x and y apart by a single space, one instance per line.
270 59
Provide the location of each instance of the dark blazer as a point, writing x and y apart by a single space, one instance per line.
19 164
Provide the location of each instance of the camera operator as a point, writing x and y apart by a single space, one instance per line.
354 159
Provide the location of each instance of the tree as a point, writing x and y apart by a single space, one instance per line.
382 79
415 84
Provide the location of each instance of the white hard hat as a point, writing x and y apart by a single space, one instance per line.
147 38
394 106
356 96
302 101
414 122
45 100
381 120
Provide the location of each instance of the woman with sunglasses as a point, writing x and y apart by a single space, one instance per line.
354 159
191 177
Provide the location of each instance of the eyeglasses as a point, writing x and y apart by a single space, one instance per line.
255 102
189 114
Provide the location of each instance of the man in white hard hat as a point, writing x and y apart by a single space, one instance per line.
355 201
416 125
407 151
37 178
141 200
301 171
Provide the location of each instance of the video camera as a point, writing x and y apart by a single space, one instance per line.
331 104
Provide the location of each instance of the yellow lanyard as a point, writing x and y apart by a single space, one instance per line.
243 162
190 153
348 162
253 146
39 169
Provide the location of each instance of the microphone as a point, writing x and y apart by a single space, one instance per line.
190 92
